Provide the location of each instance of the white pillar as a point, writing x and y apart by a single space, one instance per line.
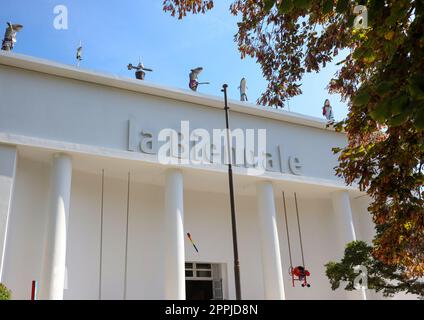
174 236
341 206
343 210
53 272
8 157
271 258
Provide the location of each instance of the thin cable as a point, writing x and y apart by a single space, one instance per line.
101 235
287 230
300 234
126 239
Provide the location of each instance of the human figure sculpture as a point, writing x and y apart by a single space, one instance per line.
327 111
243 88
10 36
79 54
300 273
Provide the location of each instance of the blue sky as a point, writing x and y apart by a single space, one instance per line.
115 33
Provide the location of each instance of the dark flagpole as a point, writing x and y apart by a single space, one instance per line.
233 209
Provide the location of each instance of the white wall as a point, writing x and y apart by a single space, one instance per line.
25 239
320 244
145 246
207 218
364 225
144 276
83 251
45 106
8 157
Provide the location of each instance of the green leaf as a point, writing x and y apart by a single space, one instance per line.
369 55
350 19
419 119
415 92
5 293
327 6
419 80
302 4
268 4
398 105
359 52
396 13
416 87
361 98
415 105
398 119
342 6
383 87
374 9
380 112
286 6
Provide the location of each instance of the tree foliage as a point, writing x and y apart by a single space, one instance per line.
381 78
381 277
181 7
5 294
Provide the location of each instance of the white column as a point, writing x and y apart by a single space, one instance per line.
271 258
343 210
341 206
53 273
8 157
174 236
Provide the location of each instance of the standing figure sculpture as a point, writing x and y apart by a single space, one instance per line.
139 73
79 54
193 76
10 36
327 111
243 88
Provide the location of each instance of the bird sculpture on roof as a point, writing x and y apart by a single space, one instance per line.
139 73
10 36
243 88
79 54
193 76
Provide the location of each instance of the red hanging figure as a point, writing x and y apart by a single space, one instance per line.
299 273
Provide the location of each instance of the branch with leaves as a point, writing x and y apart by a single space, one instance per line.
381 277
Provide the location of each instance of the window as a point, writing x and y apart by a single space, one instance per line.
198 271
204 275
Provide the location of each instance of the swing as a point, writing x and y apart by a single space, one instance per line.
298 273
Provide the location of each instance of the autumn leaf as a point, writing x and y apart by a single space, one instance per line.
389 35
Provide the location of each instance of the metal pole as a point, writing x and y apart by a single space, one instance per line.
233 210
126 238
101 235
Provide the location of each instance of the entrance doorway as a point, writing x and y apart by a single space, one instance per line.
199 290
203 281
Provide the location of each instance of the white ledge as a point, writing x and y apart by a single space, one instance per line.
66 71
60 146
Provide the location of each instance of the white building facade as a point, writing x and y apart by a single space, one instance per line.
89 212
